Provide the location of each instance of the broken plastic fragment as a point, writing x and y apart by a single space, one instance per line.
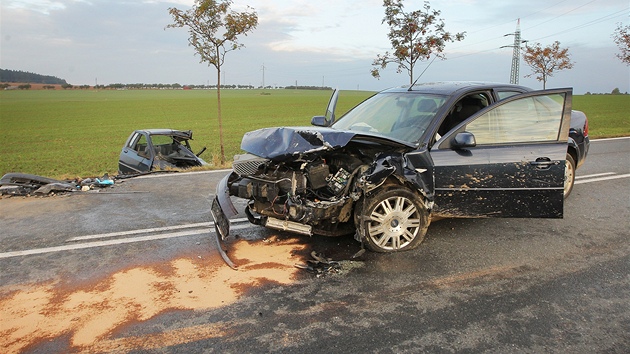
320 265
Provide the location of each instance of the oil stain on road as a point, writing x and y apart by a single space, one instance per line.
91 315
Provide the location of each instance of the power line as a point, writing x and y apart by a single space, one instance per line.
554 18
583 25
505 23
590 23
516 19
541 23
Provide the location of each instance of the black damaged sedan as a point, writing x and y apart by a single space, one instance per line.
406 155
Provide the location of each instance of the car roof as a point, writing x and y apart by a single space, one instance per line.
183 134
450 87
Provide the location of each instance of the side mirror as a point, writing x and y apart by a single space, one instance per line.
464 140
329 118
319 121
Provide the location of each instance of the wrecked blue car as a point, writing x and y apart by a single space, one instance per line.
149 150
388 166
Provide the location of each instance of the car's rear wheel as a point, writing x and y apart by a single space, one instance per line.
394 219
569 175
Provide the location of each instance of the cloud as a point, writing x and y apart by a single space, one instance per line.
329 40
41 6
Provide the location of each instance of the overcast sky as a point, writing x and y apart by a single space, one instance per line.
329 42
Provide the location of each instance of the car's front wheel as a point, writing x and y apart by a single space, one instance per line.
569 175
394 219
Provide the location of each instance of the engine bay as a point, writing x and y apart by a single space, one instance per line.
318 190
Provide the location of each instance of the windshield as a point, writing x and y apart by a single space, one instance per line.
401 115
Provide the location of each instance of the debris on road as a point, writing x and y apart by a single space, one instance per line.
320 265
23 184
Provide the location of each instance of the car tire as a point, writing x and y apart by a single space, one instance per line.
569 175
394 219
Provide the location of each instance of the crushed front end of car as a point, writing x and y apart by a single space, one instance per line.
309 180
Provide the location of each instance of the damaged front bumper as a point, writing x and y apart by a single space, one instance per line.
222 209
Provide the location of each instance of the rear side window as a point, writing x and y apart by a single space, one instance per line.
505 94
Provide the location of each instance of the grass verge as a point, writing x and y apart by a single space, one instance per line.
68 134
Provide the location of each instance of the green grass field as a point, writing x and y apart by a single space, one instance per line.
608 115
68 134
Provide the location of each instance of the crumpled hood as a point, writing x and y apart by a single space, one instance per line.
281 143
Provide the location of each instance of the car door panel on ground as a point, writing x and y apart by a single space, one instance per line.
514 168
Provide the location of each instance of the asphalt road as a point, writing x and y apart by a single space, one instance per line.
134 268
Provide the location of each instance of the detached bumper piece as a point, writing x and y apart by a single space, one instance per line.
222 229
222 209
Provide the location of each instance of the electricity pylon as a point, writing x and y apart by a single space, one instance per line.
516 52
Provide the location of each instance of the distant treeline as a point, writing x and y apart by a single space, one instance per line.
24 76
65 86
616 91
176 86
7 75
308 88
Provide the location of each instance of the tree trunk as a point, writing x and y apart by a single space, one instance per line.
410 61
219 115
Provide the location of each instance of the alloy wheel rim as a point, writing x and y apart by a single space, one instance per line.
394 223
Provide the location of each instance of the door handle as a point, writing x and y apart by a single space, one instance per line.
543 163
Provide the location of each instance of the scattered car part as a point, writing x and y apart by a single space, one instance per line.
26 180
320 265
28 184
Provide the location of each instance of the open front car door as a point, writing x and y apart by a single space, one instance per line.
507 160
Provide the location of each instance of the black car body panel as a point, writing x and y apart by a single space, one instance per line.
518 179
157 149
460 149
579 141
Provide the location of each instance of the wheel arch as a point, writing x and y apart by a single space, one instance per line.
572 149
396 182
